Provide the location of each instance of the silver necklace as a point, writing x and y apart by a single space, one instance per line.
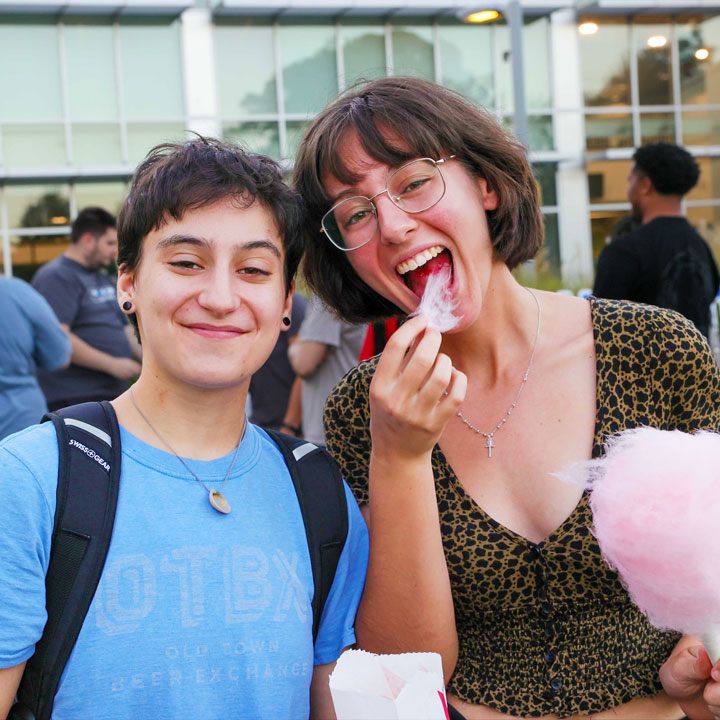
216 498
489 441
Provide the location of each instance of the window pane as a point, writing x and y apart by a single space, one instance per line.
607 180
90 58
151 62
536 68
466 55
536 59
37 205
29 72
652 44
96 144
657 127
699 70
25 146
259 137
28 253
108 195
540 130
309 67
243 91
545 176
413 51
363 52
701 128
548 260
142 137
707 222
295 132
543 271
608 131
708 185
602 225
605 64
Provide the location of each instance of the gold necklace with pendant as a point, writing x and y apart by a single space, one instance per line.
215 497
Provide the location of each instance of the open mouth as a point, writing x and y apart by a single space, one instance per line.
416 271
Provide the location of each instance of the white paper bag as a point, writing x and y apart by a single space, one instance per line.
410 686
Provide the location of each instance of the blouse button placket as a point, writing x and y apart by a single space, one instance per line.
546 614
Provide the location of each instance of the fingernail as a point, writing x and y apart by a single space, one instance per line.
715 674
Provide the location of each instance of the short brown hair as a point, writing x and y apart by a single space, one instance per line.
432 121
175 178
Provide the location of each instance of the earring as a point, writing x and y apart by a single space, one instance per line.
286 321
127 306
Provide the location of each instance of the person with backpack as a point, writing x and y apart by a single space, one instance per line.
664 262
192 565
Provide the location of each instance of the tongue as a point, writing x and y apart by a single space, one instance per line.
417 279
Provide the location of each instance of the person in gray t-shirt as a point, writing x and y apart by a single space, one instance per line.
325 350
85 301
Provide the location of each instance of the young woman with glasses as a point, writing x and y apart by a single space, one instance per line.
451 441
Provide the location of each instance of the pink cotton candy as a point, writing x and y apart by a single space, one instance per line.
656 509
437 304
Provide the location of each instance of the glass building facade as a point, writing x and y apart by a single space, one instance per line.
84 97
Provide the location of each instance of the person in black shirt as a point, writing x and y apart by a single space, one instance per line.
664 262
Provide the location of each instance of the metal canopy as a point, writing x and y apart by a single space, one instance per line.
95 7
377 8
639 7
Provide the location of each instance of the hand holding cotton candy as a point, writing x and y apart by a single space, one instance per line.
656 508
437 304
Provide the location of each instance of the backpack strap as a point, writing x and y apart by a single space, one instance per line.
88 481
321 495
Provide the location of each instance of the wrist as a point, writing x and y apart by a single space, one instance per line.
294 429
696 709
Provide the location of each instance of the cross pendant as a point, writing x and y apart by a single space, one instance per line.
490 444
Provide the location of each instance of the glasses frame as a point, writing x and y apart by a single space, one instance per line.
393 200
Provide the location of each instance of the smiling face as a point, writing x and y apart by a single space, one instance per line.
407 247
209 295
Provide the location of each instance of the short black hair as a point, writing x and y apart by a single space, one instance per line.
94 220
177 177
672 170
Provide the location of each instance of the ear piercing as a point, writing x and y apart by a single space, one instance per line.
127 306
286 321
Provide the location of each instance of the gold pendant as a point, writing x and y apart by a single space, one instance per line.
218 501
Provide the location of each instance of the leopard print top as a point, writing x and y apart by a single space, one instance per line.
548 628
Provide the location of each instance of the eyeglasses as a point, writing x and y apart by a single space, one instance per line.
414 187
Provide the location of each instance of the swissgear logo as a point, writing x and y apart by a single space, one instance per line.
91 454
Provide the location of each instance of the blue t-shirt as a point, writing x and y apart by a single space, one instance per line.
31 338
197 614
86 301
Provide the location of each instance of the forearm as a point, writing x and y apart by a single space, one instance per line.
306 356
407 603
9 682
293 414
87 356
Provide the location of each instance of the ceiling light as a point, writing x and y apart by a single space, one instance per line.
657 41
702 54
588 28
482 16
